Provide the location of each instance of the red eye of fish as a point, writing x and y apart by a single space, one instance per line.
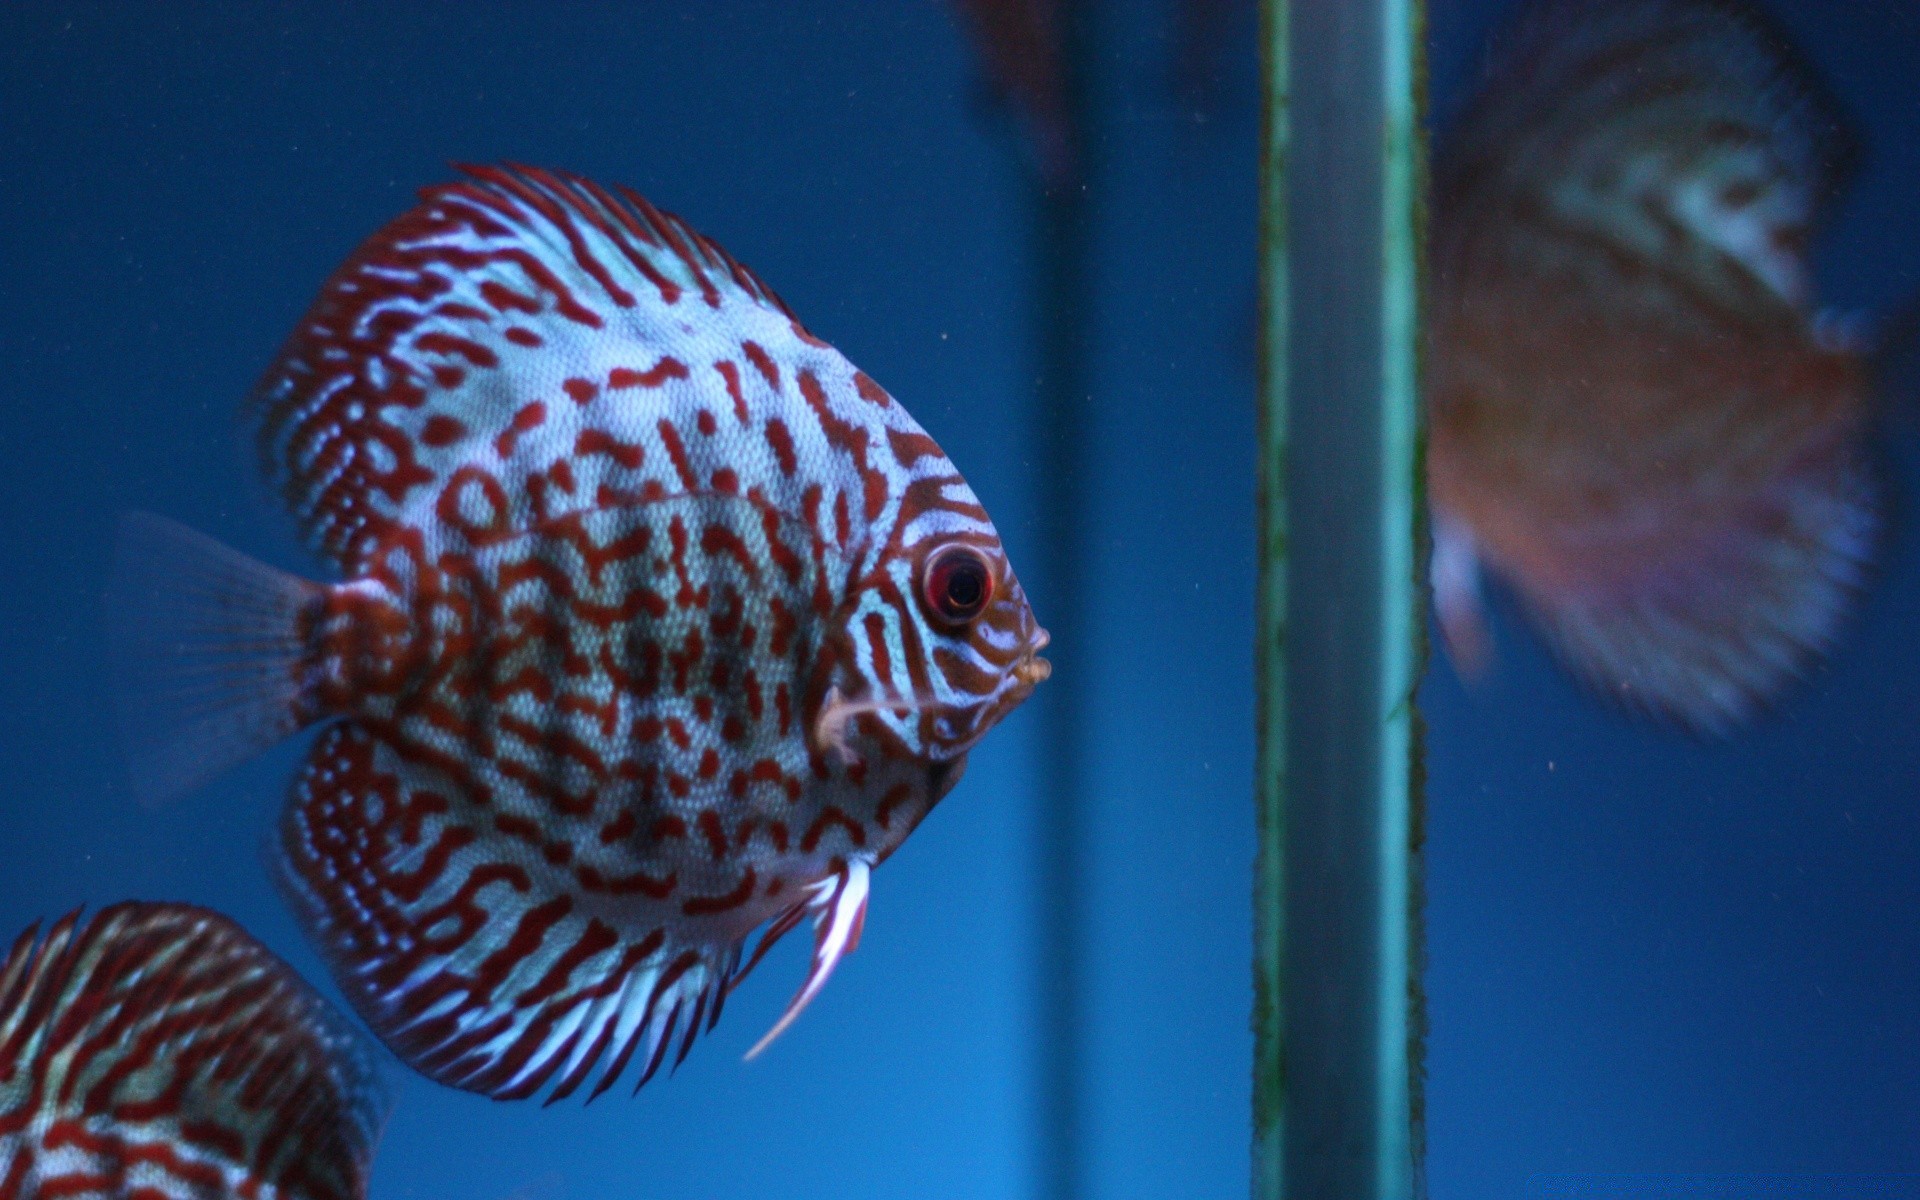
955 585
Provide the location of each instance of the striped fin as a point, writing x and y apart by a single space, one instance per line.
468 964
158 1051
1723 630
838 904
463 323
1677 134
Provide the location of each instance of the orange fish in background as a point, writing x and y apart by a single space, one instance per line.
1637 419
1022 48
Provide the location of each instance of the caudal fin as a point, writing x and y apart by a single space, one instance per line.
1725 631
207 646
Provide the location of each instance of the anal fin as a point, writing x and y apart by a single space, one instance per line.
839 907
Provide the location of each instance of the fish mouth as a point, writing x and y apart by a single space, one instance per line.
1033 670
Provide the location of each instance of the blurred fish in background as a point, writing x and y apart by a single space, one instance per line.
1022 51
158 1052
1640 420
1021 44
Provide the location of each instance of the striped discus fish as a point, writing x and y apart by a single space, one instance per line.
661 622
1636 418
156 1052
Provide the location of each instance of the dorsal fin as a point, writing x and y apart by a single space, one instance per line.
496 301
160 1046
561 210
1679 135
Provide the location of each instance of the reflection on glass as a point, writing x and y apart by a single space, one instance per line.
1639 419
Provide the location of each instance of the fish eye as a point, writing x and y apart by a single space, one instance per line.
956 582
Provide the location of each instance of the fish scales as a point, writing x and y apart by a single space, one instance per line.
662 622
524 345
157 1051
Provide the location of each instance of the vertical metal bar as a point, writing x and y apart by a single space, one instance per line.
1269 924
1338 1047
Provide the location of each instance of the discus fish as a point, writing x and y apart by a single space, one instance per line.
1637 418
157 1052
661 622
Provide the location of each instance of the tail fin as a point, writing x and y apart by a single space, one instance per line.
207 646
1726 631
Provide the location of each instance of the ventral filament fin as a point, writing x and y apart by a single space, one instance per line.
839 907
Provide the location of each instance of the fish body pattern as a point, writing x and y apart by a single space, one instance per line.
661 622
1636 417
157 1052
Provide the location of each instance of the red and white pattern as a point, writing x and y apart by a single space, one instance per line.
635 653
157 1052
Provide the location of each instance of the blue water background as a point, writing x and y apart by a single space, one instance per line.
1647 955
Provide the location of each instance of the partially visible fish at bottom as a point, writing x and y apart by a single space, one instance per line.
158 1052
